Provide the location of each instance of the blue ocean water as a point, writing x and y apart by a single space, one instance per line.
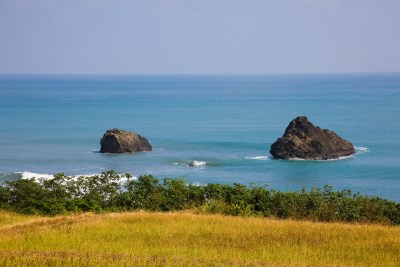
52 124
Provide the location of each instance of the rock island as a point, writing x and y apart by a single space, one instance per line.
303 140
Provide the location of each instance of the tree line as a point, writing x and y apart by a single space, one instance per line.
110 191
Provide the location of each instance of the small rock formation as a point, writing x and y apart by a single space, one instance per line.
305 141
120 141
192 164
196 163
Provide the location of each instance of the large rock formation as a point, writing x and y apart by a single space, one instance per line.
305 141
120 141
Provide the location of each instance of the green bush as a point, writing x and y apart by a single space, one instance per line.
175 194
213 206
144 193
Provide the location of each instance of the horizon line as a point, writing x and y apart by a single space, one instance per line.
200 74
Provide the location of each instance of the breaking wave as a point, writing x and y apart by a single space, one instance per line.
42 176
361 150
258 157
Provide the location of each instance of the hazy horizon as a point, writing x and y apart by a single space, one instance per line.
172 37
5 74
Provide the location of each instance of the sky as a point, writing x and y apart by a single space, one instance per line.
199 36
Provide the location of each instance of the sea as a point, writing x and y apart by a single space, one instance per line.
223 124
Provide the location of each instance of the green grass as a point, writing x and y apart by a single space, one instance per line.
184 238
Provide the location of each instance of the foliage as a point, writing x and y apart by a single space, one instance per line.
109 192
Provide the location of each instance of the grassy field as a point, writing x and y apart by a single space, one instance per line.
181 239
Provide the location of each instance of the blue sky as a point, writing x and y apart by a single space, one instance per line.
199 36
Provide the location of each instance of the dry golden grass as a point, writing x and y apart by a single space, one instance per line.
181 239
10 218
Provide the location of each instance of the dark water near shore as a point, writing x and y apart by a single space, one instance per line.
52 124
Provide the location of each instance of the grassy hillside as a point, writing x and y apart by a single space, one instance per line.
142 238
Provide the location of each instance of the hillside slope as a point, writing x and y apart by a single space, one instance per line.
142 238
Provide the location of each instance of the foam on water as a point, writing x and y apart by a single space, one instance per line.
41 176
30 175
258 157
300 159
361 150
322 160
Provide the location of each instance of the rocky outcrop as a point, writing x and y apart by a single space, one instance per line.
120 141
197 163
305 141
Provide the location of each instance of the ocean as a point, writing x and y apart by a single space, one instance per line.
226 123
